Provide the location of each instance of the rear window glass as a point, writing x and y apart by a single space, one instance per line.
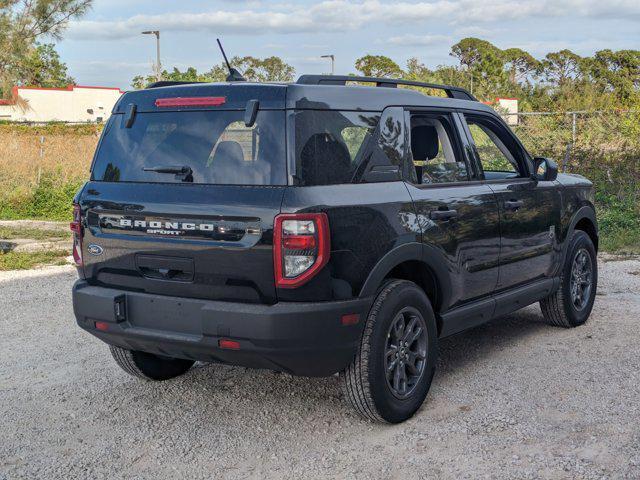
217 147
330 145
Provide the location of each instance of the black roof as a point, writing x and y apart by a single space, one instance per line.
310 92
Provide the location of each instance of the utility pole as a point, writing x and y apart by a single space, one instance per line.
333 59
158 65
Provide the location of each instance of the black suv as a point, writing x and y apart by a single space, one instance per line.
321 227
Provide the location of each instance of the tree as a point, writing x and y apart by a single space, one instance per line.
560 67
417 71
22 22
618 72
484 63
378 66
42 68
271 69
519 64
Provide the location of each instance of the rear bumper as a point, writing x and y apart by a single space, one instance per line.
298 338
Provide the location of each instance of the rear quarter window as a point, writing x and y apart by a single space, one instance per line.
331 145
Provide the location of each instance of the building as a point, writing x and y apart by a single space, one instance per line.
74 103
507 108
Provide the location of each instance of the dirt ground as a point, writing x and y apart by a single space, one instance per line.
511 399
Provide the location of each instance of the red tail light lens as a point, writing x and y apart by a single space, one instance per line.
191 102
76 228
228 344
301 247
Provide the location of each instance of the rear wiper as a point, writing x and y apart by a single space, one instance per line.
183 172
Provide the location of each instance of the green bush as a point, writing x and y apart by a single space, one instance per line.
50 200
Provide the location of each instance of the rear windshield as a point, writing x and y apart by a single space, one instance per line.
331 146
214 147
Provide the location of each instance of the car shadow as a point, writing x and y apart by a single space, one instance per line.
248 395
480 342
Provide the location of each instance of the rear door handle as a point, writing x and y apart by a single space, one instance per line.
443 214
513 205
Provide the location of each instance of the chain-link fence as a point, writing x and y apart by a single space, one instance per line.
41 166
559 134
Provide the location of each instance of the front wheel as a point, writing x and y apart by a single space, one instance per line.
390 376
571 304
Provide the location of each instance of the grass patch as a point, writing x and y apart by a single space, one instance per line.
10 233
623 242
28 260
50 200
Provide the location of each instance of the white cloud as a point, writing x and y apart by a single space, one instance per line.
348 15
475 31
411 40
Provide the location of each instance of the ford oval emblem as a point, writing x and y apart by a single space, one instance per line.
94 249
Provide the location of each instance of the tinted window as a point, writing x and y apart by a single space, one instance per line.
330 145
434 151
217 147
496 149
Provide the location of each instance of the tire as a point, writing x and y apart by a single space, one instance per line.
373 394
563 308
148 366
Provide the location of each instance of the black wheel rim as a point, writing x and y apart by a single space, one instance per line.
581 279
405 352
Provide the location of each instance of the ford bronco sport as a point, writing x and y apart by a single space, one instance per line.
321 227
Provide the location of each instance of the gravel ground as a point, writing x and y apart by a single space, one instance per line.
511 399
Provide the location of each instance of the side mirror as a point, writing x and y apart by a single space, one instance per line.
544 169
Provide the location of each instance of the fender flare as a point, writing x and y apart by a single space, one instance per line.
586 211
431 257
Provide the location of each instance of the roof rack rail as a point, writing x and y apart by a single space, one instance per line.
451 91
168 83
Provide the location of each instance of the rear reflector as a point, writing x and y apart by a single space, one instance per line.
76 228
228 344
191 102
350 319
102 326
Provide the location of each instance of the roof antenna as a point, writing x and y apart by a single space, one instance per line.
234 75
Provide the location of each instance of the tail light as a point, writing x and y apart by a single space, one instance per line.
301 247
76 228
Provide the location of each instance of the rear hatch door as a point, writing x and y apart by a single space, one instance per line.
182 198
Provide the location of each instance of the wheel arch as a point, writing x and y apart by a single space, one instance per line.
418 263
585 220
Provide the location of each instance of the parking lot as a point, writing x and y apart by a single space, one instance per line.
511 399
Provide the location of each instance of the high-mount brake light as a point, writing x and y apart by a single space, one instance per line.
228 344
301 247
191 102
78 233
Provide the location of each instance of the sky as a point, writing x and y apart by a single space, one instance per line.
105 47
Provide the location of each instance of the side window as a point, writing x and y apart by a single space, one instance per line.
434 150
497 152
330 146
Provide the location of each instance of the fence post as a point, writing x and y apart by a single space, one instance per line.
573 128
41 159
567 154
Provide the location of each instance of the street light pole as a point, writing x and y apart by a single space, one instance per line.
158 65
333 59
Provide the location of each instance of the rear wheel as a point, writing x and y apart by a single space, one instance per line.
571 304
149 366
390 376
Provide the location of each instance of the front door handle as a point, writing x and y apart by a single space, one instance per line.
513 205
443 214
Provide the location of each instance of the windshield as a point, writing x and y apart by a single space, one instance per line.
198 146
